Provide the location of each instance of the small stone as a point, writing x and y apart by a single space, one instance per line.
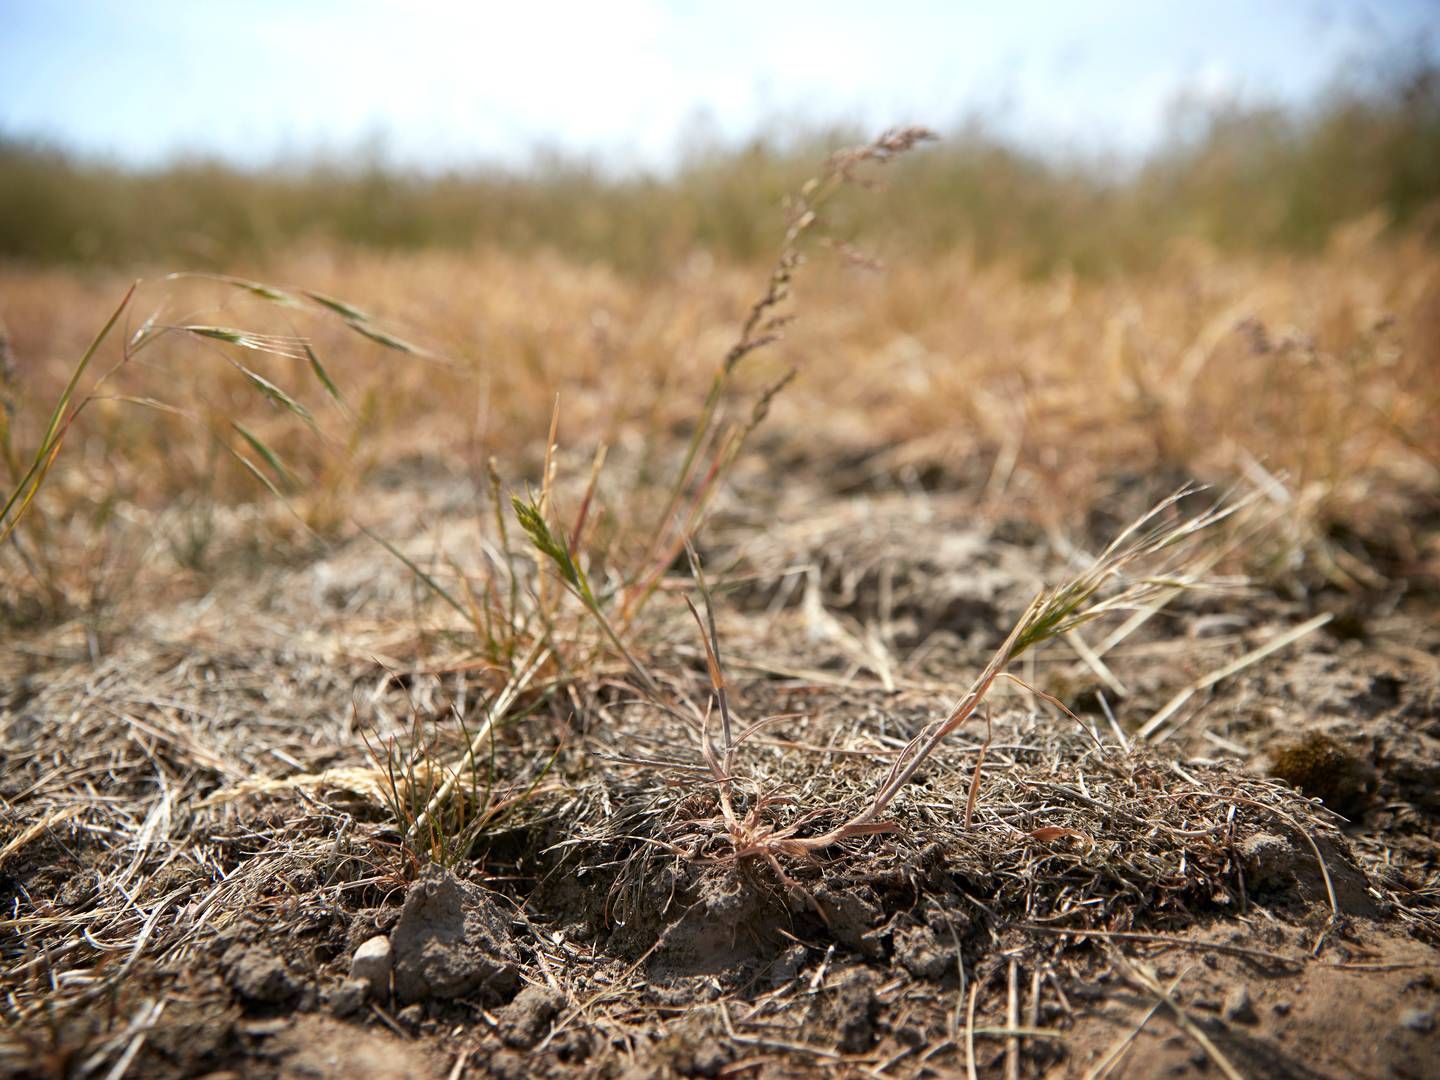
1421 1020
787 967
1270 860
1282 1008
1238 1008
525 1020
371 964
452 941
350 998
259 976
411 1016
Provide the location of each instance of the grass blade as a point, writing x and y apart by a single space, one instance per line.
390 341
434 586
324 376
271 458
24 492
279 396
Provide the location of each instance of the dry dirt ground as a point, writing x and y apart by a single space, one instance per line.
178 903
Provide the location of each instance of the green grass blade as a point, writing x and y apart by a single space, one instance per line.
434 586
258 473
271 457
25 491
347 311
244 339
324 376
538 529
256 288
277 395
390 341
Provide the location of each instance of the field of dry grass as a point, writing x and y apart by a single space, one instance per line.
292 618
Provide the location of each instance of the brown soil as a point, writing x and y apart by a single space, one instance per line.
163 919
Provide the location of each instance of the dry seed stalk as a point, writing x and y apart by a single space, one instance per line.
762 327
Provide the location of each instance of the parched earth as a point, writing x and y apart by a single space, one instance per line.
203 873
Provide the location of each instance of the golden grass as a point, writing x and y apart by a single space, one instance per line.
1243 177
1318 371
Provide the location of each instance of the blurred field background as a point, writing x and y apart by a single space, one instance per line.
1241 178
1256 301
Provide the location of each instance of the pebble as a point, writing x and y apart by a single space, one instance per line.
1238 1008
350 998
1421 1020
260 977
371 964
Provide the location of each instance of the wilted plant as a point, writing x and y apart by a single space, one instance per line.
1105 586
713 447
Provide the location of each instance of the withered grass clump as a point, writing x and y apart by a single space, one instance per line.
1111 583
1069 833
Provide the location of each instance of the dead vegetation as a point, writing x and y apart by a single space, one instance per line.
766 833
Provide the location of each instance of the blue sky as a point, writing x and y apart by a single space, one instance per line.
628 81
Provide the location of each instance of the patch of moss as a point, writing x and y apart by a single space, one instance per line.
1322 767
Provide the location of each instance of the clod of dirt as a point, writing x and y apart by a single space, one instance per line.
317 1048
852 1010
1421 1020
695 1046
349 999
1274 863
788 964
1270 860
852 915
1238 1007
525 1020
1321 767
372 963
920 952
452 940
508 1065
728 922
259 976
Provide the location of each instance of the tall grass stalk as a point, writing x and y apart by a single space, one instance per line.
762 327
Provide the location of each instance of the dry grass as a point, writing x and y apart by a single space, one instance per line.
1314 371
1241 177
